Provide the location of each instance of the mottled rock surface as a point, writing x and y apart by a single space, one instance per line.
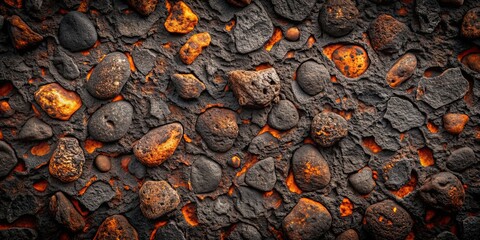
386 217
328 128
307 220
35 129
312 77
403 115
109 76
262 175
310 169
157 198
253 28
283 116
65 213
111 122
255 89
205 176
218 128
443 190
67 160
338 17
8 160
116 227
76 32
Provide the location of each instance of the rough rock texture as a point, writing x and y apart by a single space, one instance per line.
428 12
144 7
116 227
8 160
170 231
307 220
187 85
283 116
96 194
362 181
310 170
296 10
239 3
58 102
403 115
443 190
35 129
312 77
65 213
157 198
193 47
23 37
387 34
351 60
218 128
461 159
470 27
244 231
350 234
66 163
262 175
396 173
472 61
328 128
205 176
76 32
253 28
109 76
386 217
181 19
111 122
454 123
255 89
402 70
66 66
338 17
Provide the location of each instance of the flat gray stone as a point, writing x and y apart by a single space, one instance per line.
403 115
253 29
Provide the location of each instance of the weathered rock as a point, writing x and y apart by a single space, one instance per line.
454 123
443 190
170 231
310 170
35 129
402 70
262 175
65 66
111 122
387 34
18 233
205 176
387 220
461 159
295 10
397 173
76 32
67 160
328 128
307 220
350 234
443 89
239 3
292 34
144 60
351 60
57 102
255 89
264 144
470 25
470 229
194 47
103 163
312 77
144 7
472 61
23 37
65 213
109 76
181 19
218 128
283 116
157 198
96 194
187 85
244 231
116 227
403 115
428 12
253 28
446 235
362 181
158 144
338 17
8 160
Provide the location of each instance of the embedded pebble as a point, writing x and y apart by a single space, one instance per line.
65 213
310 169
338 17
292 34
461 159
307 220
351 60
295 10
402 70
23 37
444 191
312 77
169 232
387 34
362 181
403 115
157 198
187 85
256 89
65 66
386 217
34 130
58 102
144 7
283 116
8 159
76 32
194 47
428 12
253 28
205 176
116 227
66 163
261 175
454 123
328 128
144 60
96 194
103 163
470 26
397 173
218 128
111 122
181 19
109 76
244 231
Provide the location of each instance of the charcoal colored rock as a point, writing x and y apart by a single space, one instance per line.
387 220
2 21
35 129
157 198
350 234
428 12
310 170
295 10
116 227
307 220
387 34
18 233
249 202
187 85
65 213
283 116
401 70
470 229
23 37
256 89
111 122
76 32
253 28
97 194
144 7
444 191
470 27
328 128
205 175
103 163
446 235
338 17
65 66
397 173
443 89
218 128
403 115
239 3
362 181
264 144
169 231
8 159
262 175
244 231
66 163
144 60
109 76
461 159
312 77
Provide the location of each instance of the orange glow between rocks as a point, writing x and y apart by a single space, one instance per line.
158 225
91 145
329 49
346 208
262 66
407 188
432 127
275 133
79 208
370 144
311 40
130 61
276 37
22 222
230 25
189 212
248 164
124 163
40 149
425 156
14 3
41 185
90 182
5 88
466 52
292 186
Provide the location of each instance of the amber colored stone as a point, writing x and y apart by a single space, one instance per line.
218 128
292 34
103 163
57 102
351 60
23 36
66 163
65 213
116 227
472 61
157 198
470 24
454 123
181 19
158 144
307 220
402 70
144 7
194 46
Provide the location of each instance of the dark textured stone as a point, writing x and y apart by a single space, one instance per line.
35 129
446 236
23 37
443 190
428 12
296 10
65 65
65 213
461 159
144 7
338 17
283 116
387 220
244 231
397 173
403 115
116 227
144 60
103 163
96 194
307 220
310 170
264 144
109 76
262 175
470 24
157 198
111 122
218 128
443 89
67 160
362 181
76 32
328 128
402 70
255 89
350 234
205 176
169 232
250 202
239 3
470 227
387 34
18 233
187 85
253 28
312 77
8 160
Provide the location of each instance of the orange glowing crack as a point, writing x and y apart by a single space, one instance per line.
371 145
292 186
425 156
84 189
189 212
276 37
407 188
41 185
346 207
275 133
40 149
249 163
230 25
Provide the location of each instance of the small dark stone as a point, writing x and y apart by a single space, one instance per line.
328 128
255 89
65 213
470 227
310 169
387 220
205 176
253 28
295 10
67 160
428 12
350 234
387 34
470 24
66 66
397 173
116 227
250 202
244 231
239 3
144 7
403 115
461 159
283 116
263 144
312 77
262 175
23 37
446 236
443 190
157 198
169 232
137 169
103 163
111 122
187 85
144 60
8 160
76 32
17 233
96 194
218 128
109 76
362 181
307 220
338 17
35 129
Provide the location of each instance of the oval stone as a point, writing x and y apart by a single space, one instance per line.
351 60
116 227
218 128
283 116
111 122
58 102
205 176
328 128
310 170
256 89
307 220
402 70
35 129
338 17
8 160
109 76
66 163
312 77
387 220
76 32
444 191
103 163
387 34
157 198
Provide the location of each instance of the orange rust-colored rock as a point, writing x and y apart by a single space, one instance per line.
472 61
351 60
144 7
23 37
292 34
158 144
57 102
454 123
65 213
116 227
402 70
307 220
194 46
181 19
66 163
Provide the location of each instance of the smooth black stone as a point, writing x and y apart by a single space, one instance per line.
111 122
76 32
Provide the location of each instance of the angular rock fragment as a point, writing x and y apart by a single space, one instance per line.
470 229
253 28
454 123
428 12
66 66
205 176
461 159
57 102
187 85
262 175
116 227
351 60
158 144
35 129
402 70
239 3
403 115
244 231
350 234
338 17
181 19
111 122
397 173
65 213
218 128
307 220
470 25
170 231
144 60
387 220
144 7
103 163
362 181
264 144
23 37
312 77
109 76
76 32
310 170
295 10
255 89
283 116
472 61
328 128
443 190
96 194
157 198
194 46
67 160
387 34
8 160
